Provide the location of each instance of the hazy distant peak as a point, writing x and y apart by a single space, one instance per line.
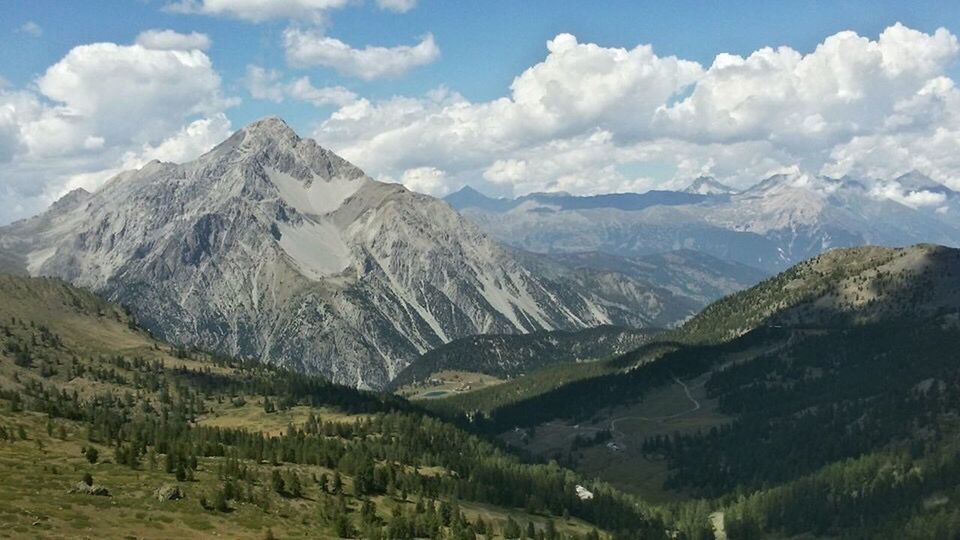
707 185
917 181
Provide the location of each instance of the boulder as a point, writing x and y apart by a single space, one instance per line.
83 488
168 492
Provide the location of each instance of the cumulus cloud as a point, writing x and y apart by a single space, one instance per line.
309 48
846 86
428 180
399 6
258 10
590 118
186 144
123 92
915 199
170 40
266 84
95 110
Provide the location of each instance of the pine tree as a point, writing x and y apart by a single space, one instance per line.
277 483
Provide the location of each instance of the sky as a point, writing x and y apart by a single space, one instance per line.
509 97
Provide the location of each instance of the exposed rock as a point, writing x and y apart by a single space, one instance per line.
85 489
168 492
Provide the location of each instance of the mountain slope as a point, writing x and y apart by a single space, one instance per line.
110 433
271 247
834 292
818 402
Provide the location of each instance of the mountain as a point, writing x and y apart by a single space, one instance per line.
468 197
273 248
705 185
692 275
108 432
816 404
511 355
777 223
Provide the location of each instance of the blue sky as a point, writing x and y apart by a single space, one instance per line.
484 44
481 48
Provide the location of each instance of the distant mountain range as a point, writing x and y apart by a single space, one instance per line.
770 226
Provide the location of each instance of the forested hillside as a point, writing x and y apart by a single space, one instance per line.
822 401
110 433
506 356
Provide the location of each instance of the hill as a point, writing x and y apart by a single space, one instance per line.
818 402
108 432
509 356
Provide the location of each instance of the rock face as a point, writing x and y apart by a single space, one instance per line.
271 247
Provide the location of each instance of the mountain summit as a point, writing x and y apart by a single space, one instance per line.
274 248
706 185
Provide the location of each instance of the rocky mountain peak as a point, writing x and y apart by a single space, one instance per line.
917 181
270 128
72 199
272 247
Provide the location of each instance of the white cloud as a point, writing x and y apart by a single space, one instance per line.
428 180
894 191
31 28
98 108
399 6
308 48
846 86
170 40
266 84
186 144
258 10
9 131
922 133
590 118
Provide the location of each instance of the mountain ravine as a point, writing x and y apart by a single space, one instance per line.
271 247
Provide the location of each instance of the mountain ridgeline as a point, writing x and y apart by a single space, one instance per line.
779 222
507 356
273 248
